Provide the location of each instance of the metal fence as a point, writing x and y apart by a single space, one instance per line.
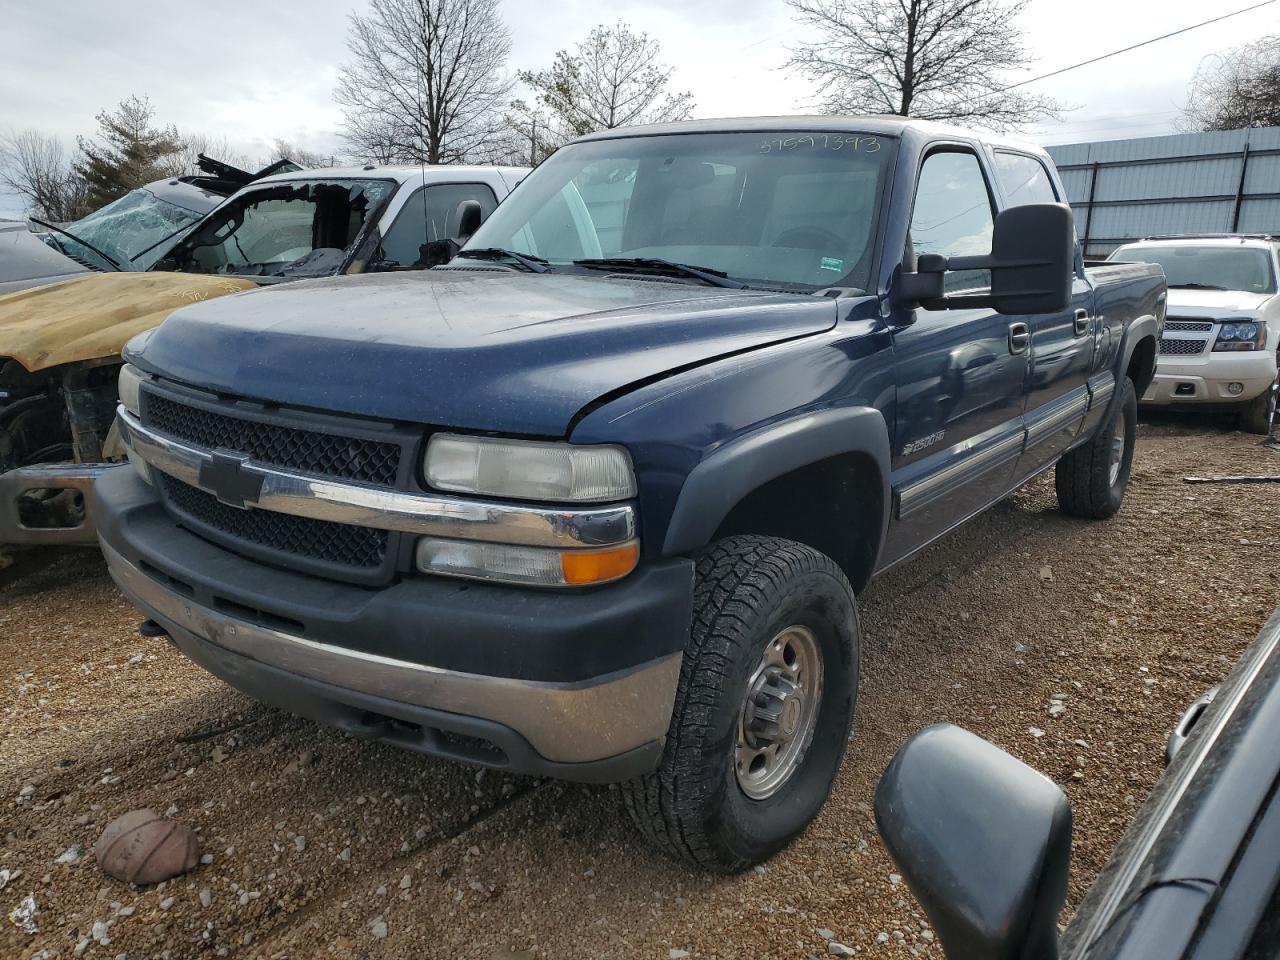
1123 190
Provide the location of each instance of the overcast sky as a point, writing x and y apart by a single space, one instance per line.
272 74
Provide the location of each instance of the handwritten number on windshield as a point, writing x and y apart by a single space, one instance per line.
822 141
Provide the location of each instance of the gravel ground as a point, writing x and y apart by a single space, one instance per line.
322 846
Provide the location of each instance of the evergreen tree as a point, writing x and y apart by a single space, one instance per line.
127 153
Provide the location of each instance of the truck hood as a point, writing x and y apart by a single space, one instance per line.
94 316
1214 303
471 349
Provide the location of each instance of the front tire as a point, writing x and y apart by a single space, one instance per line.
1091 479
1259 413
766 698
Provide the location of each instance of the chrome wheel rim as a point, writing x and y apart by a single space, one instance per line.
1117 449
779 712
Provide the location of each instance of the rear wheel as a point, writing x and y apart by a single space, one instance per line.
1259 415
1091 479
766 697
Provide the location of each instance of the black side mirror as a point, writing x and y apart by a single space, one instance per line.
1032 262
983 841
434 253
468 217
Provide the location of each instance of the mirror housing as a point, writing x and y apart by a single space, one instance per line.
435 253
468 217
983 841
1032 263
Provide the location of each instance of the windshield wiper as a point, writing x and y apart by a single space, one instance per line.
527 260
1195 286
105 256
667 268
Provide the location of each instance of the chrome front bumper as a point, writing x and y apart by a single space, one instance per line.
77 477
582 722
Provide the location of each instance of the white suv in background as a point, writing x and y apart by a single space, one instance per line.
1218 348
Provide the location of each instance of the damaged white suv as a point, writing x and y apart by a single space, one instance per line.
1218 349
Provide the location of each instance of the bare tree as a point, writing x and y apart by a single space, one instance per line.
185 161
929 59
426 82
309 159
532 134
615 79
36 168
1237 88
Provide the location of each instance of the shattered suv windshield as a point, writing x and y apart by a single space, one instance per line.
791 210
300 228
127 228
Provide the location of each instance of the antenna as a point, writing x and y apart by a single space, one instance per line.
422 139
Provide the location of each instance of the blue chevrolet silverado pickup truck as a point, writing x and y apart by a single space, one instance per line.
595 499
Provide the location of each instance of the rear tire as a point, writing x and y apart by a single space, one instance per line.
1091 479
1259 413
715 801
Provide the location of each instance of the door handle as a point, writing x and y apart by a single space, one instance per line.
1019 337
1081 324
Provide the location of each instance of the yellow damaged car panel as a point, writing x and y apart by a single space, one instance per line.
95 316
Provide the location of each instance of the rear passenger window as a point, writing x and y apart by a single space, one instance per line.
952 215
428 215
1024 179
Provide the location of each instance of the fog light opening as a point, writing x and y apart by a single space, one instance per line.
1235 388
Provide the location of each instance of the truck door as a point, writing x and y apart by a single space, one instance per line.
1061 343
427 215
960 376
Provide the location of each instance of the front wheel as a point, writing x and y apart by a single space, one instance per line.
762 715
1091 479
1259 414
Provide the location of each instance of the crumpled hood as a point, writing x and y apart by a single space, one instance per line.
1214 303
94 316
508 352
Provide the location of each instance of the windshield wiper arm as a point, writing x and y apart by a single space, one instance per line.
716 278
1195 286
527 260
105 256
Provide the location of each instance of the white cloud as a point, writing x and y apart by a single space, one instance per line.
255 72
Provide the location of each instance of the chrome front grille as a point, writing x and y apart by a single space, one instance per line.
1188 326
308 451
1170 347
327 448
340 544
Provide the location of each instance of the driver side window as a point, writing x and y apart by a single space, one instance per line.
953 215
276 230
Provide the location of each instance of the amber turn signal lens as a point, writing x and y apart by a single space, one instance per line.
582 567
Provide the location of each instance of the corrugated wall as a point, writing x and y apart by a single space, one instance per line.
1124 190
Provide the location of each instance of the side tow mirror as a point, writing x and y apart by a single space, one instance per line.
983 841
468 217
435 253
1032 263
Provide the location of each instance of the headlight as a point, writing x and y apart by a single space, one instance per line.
1241 335
128 386
529 470
536 566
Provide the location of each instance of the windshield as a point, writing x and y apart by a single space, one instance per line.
125 228
1212 267
793 211
301 228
